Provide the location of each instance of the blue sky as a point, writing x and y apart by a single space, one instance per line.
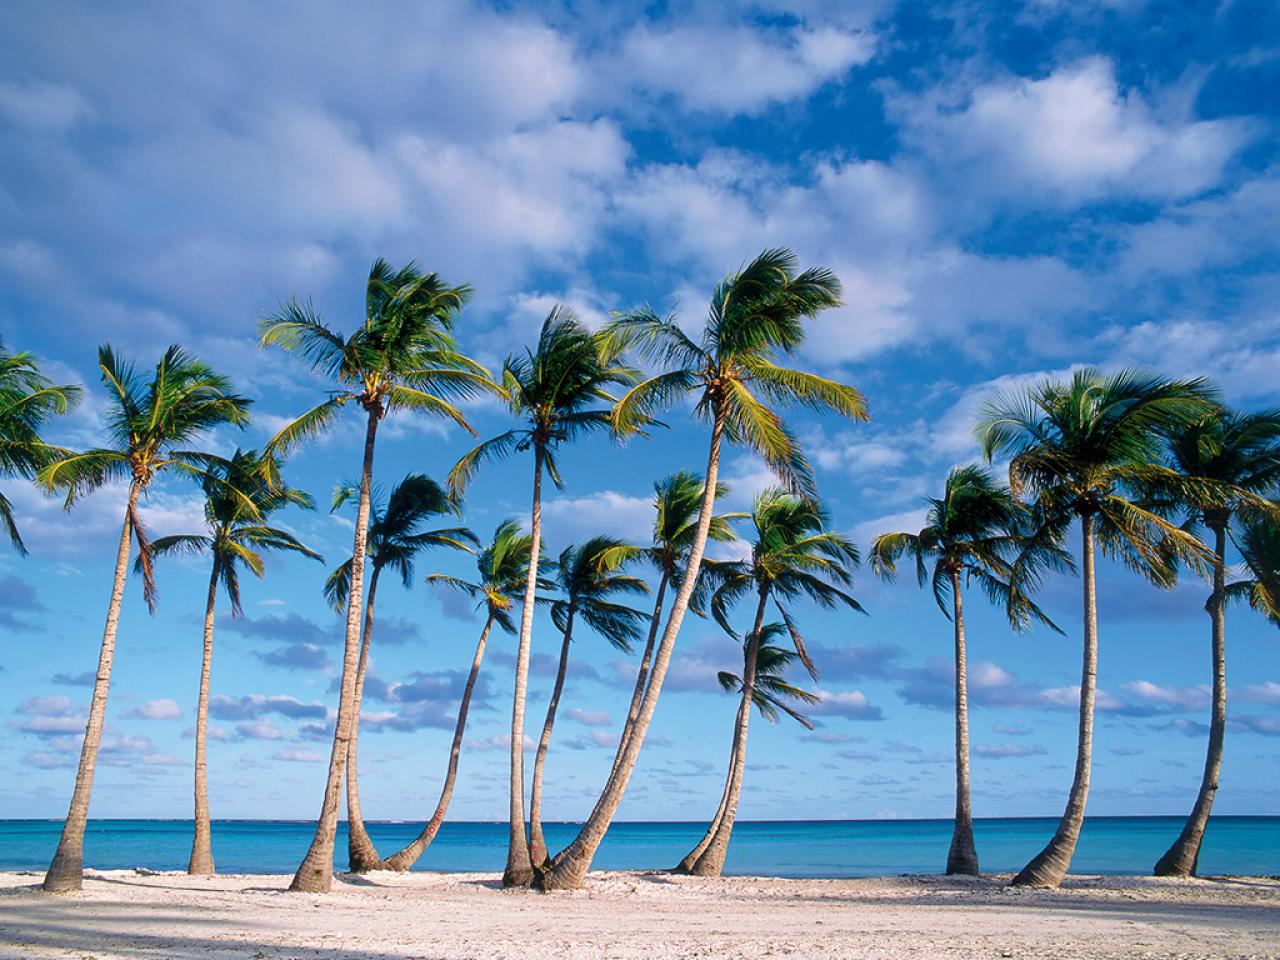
1005 193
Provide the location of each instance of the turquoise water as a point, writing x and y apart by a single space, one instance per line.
830 848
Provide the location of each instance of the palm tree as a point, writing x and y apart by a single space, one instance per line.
1259 545
552 390
238 499
401 358
393 541
755 318
1080 448
28 400
976 531
1232 461
149 423
588 575
793 555
772 694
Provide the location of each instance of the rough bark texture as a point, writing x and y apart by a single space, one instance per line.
642 676
201 862
963 855
570 866
519 870
362 855
537 844
1182 858
66 871
1050 865
690 858
315 873
407 857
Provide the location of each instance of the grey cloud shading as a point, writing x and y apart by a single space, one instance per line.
289 628
253 706
1003 751
86 679
850 704
18 600
296 656
852 661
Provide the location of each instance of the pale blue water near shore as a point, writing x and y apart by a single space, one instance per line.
831 848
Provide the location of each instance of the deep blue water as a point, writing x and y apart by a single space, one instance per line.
831 848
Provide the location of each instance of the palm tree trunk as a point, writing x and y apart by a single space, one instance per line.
315 873
643 675
201 863
1050 865
1182 858
362 855
690 858
569 869
407 857
963 855
519 872
67 868
537 845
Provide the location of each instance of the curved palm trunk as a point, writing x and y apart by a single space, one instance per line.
690 858
1181 858
201 862
519 871
66 870
362 855
1050 865
642 675
537 845
407 857
570 866
963 855
315 873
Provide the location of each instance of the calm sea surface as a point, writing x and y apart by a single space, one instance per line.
832 848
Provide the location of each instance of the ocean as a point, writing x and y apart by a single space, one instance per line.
825 848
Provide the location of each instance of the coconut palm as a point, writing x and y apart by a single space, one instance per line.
1080 448
1232 461
589 576
772 694
793 555
402 357
149 423
1259 545
394 540
976 531
554 390
755 319
28 400
238 499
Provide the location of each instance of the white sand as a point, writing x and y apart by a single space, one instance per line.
123 914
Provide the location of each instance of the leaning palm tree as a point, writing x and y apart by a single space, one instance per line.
975 531
28 400
401 358
502 568
394 540
1232 462
589 576
1080 448
554 390
239 496
755 319
793 555
149 423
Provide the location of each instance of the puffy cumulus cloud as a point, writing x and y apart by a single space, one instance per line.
607 512
1266 692
849 704
596 739
423 700
50 717
162 709
258 730
296 656
254 706
990 685
590 718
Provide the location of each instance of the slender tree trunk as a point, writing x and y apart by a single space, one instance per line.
963 855
1182 858
569 869
1050 865
519 872
407 857
690 858
315 873
67 869
710 862
537 845
201 862
643 675
362 855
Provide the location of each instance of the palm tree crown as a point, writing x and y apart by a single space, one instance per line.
1259 545
772 694
588 575
501 569
1233 461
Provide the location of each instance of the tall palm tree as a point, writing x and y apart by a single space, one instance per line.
395 539
793 555
975 531
1259 545
28 400
1232 462
589 576
149 424
238 499
502 568
755 319
554 390
402 357
1080 448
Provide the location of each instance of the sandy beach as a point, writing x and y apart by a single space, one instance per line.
123 914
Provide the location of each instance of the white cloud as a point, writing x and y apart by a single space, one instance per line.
47 106
607 512
162 709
